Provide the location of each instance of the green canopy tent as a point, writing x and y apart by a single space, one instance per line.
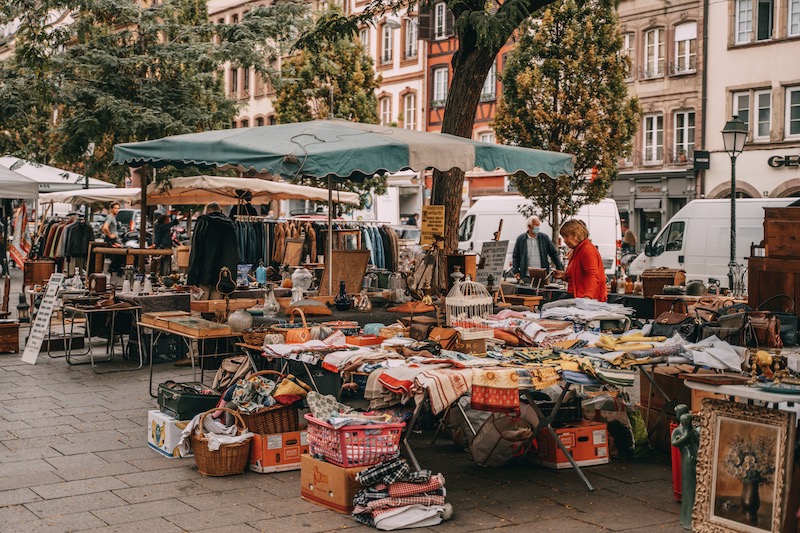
336 148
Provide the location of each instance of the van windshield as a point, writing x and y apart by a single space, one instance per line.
466 227
671 239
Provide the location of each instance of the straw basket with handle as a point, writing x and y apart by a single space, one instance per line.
229 459
295 334
274 419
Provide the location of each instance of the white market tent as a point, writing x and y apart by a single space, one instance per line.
50 179
226 191
90 196
15 185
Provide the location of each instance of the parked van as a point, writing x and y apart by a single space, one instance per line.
697 238
481 221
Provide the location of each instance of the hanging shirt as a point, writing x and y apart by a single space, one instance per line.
534 258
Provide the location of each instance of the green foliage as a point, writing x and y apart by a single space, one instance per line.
304 90
564 90
120 73
339 71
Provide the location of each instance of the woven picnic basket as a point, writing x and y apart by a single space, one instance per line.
229 459
274 419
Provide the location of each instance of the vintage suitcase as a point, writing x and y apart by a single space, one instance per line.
654 280
185 400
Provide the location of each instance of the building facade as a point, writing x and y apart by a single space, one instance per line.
664 43
752 75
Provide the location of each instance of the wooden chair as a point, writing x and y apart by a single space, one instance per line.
4 312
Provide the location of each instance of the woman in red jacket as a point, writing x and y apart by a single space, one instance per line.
585 274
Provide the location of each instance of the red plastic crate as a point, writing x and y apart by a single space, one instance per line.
352 446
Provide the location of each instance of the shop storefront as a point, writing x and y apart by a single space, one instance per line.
647 200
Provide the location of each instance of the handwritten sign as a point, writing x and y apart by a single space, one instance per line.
432 223
41 326
493 258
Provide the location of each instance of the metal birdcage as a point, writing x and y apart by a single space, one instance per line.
467 299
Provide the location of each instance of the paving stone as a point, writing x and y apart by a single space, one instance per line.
234 513
19 477
27 454
74 488
17 496
44 431
162 491
139 479
466 519
15 514
306 523
135 512
90 446
23 444
238 528
159 462
159 525
658 494
11 426
75 461
86 472
130 454
60 524
595 509
51 421
71 504
557 525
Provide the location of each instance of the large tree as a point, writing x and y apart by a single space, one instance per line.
564 90
337 80
482 28
120 73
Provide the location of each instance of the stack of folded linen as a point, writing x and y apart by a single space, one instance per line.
394 497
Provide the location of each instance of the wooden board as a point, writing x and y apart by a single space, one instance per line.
716 379
212 306
348 266
197 327
293 253
157 318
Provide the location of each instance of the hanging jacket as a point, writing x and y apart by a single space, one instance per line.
214 245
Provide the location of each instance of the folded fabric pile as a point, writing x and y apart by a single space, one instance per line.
257 392
214 431
394 497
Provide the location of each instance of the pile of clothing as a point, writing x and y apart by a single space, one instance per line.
394 497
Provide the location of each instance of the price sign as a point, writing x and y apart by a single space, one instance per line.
432 223
493 258
41 326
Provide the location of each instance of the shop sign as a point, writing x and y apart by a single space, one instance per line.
649 189
432 223
778 161
702 160
41 325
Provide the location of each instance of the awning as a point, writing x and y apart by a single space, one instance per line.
50 179
91 196
647 204
15 185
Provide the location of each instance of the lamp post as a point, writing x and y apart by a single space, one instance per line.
734 135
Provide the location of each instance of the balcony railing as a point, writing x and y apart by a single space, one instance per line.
488 97
653 156
676 69
438 103
651 72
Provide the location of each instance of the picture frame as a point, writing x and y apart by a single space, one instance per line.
744 468
293 252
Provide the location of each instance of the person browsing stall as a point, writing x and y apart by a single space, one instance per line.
585 274
162 239
214 245
111 236
532 250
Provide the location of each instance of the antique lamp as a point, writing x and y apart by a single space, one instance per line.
23 309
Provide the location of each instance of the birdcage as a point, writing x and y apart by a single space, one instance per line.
467 299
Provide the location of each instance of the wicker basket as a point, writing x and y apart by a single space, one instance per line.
255 336
273 419
229 459
391 332
654 280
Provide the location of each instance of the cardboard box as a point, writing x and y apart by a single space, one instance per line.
278 452
164 432
587 442
328 485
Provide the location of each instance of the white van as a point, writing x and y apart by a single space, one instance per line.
697 238
481 221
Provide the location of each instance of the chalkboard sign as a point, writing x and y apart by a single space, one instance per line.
41 326
493 258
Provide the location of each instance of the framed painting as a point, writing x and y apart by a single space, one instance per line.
744 468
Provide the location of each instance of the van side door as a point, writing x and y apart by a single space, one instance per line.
668 247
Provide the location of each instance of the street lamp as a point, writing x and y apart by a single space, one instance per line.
734 134
88 156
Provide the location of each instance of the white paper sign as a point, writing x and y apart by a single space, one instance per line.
41 325
493 258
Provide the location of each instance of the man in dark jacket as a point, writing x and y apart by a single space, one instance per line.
532 250
214 245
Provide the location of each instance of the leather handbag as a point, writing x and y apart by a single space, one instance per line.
447 338
670 322
419 326
733 328
709 308
295 334
787 317
766 329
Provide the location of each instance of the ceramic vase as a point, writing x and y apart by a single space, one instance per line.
271 305
343 301
240 320
750 498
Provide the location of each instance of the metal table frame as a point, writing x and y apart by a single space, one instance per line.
134 310
190 340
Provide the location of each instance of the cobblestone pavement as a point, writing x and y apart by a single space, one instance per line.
74 457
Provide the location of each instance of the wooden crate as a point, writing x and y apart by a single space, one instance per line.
37 272
782 232
654 280
197 327
9 337
158 318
